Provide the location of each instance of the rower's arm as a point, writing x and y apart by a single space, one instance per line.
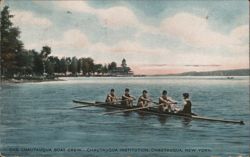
117 98
163 100
126 97
171 101
145 99
132 97
108 96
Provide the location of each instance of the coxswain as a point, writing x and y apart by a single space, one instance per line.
127 99
111 97
187 104
166 103
144 100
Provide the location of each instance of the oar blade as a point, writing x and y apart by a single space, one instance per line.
80 106
83 102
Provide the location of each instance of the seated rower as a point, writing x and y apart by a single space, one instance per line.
187 105
127 99
111 97
166 103
143 100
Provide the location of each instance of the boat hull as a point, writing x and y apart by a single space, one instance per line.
155 111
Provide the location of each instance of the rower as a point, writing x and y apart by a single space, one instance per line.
166 103
187 104
111 97
144 100
127 99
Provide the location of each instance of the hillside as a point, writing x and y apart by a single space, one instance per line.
237 72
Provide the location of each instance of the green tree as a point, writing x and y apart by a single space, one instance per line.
68 63
79 65
112 66
98 68
25 62
45 52
38 63
50 65
11 46
91 64
104 69
85 66
74 66
57 64
63 65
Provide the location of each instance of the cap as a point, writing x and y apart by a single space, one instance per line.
164 92
185 95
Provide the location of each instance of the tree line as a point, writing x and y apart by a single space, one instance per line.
16 61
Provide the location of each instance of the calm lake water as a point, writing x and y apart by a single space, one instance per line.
36 119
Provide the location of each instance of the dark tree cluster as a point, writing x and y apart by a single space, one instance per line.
16 61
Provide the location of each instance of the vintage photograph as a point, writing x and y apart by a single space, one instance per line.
124 78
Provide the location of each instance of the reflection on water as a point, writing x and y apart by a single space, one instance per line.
39 115
163 119
186 121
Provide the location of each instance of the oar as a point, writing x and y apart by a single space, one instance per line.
87 104
127 110
80 106
90 104
155 102
132 109
83 102
93 104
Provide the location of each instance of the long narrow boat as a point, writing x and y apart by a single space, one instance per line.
155 111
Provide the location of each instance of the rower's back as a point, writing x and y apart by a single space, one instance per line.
111 96
125 97
123 102
187 107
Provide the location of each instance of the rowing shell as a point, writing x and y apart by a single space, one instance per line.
155 111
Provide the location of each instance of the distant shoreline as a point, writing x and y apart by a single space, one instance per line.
226 73
229 74
20 81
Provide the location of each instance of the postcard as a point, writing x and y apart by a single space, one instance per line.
124 78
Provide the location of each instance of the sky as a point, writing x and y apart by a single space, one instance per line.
154 36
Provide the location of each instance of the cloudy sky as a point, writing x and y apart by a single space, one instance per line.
155 37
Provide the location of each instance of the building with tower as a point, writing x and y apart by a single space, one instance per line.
123 70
